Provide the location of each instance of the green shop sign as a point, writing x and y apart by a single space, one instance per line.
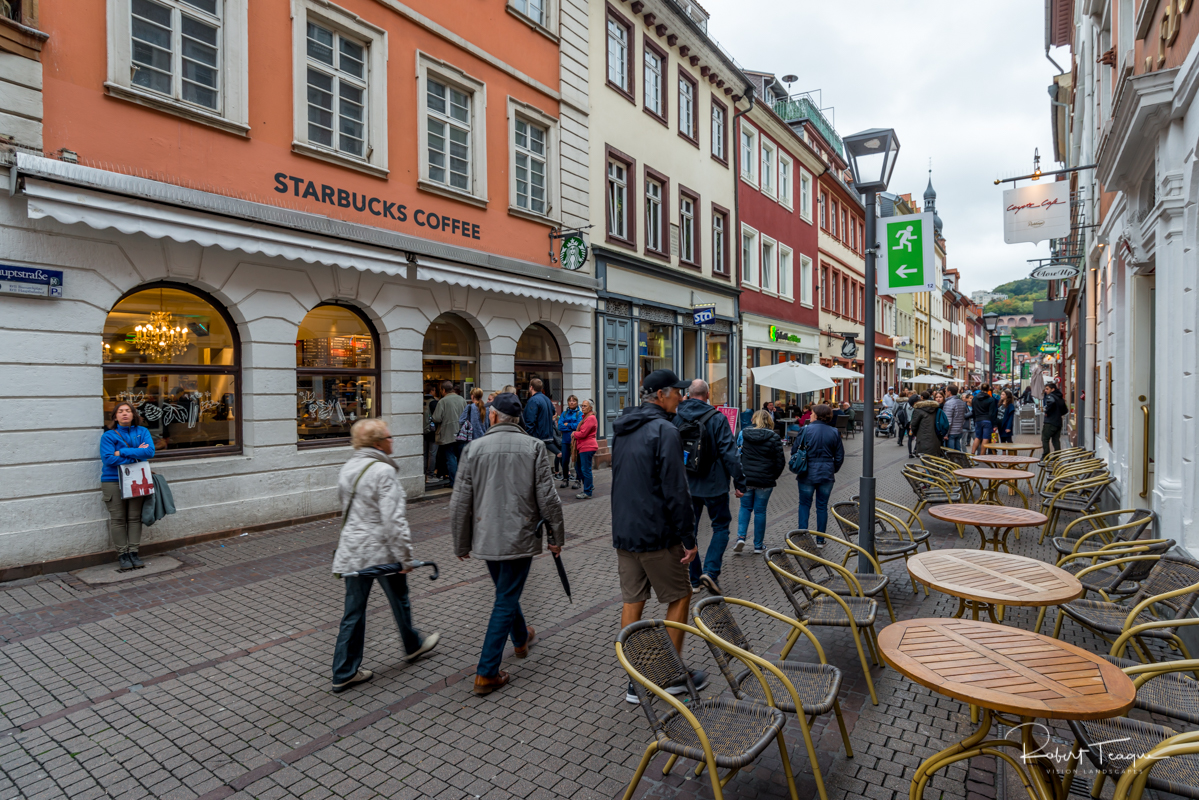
574 252
1051 347
777 335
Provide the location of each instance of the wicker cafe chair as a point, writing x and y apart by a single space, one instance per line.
957 457
1099 538
816 568
1143 753
907 517
946 468
816 605
1115 573
1172 584
798 687
930 488
1077 497
1057 459
717 732
892 539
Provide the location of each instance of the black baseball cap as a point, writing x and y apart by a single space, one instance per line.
662 379
507 403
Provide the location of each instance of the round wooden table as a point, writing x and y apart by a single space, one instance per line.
982 580
994 478
1007 672
1002 519
1007 461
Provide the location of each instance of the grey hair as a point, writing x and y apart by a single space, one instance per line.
699 388
365 432
501 417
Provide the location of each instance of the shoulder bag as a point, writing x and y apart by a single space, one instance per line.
799 459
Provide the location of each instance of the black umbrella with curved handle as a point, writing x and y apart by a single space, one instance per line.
557 561
383 570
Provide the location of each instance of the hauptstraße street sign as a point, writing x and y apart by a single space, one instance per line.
905 256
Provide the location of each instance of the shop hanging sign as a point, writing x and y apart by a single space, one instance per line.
777 335
1037 212
703 315
1054 272
573 254
30 281
1051 347
1001 356
905 257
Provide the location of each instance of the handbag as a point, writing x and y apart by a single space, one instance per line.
799 459
465 431
135 479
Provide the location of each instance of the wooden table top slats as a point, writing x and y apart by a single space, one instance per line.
987 516
996 578
985 474
1010 460
1006 669
1013 447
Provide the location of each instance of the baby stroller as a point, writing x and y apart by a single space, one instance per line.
884 424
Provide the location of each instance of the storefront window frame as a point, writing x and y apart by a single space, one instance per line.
376 373
189 369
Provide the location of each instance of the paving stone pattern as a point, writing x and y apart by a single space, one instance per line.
212 681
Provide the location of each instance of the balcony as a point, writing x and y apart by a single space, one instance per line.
801 107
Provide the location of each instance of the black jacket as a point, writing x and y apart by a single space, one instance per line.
984 408
1055 408
762 458
651 505
726 465
924 428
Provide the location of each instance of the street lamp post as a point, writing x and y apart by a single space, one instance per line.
872 156
991 321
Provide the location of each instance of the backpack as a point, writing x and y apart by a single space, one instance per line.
698 448
903 414
942 424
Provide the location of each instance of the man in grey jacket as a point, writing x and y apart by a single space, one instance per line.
955 411
505 487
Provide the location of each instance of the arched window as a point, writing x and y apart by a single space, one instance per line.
174 354
337 374
537 356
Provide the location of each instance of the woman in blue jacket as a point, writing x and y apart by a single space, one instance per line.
1007 416
825 456
568 423
126 442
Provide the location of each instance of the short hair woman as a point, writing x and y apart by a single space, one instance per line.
125 442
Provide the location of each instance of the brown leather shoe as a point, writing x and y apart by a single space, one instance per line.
485 685
523 652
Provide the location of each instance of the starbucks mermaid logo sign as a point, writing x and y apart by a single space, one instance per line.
574 252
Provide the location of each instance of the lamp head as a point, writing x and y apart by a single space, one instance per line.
872 154
991 321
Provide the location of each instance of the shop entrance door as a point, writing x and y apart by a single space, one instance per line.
618 334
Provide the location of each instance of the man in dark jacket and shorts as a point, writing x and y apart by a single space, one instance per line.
709 485
653 524
1056 409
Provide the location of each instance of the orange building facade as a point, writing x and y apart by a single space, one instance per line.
330 208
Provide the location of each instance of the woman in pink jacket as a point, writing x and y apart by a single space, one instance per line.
583 442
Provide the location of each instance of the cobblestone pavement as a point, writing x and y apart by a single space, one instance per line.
212 681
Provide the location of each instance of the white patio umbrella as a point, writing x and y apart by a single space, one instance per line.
923 379
791 376
836 373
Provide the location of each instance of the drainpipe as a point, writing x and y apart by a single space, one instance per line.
735 242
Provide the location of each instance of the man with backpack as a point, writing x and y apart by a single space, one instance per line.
984 417
955 410
709 459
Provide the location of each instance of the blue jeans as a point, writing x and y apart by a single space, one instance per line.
822 492
719 514
754 502
451 459
506 619
585 471
563 460
347 655
954 442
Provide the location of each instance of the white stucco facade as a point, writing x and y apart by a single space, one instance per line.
52 393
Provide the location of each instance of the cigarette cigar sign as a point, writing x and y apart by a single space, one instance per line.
1037 212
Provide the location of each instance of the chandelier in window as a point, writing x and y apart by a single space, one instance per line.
160 337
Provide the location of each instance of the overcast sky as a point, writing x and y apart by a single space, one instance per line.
961 82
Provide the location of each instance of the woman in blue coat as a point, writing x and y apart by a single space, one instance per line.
1007 416
825 456
568 423
126 442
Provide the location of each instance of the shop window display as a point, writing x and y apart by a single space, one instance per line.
173 354
538 356
655 347
718 368
337 373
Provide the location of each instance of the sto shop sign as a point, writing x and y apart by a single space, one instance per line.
376 206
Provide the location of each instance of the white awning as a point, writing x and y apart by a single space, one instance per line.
428 269
239 229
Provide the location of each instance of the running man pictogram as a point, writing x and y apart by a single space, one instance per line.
905 237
